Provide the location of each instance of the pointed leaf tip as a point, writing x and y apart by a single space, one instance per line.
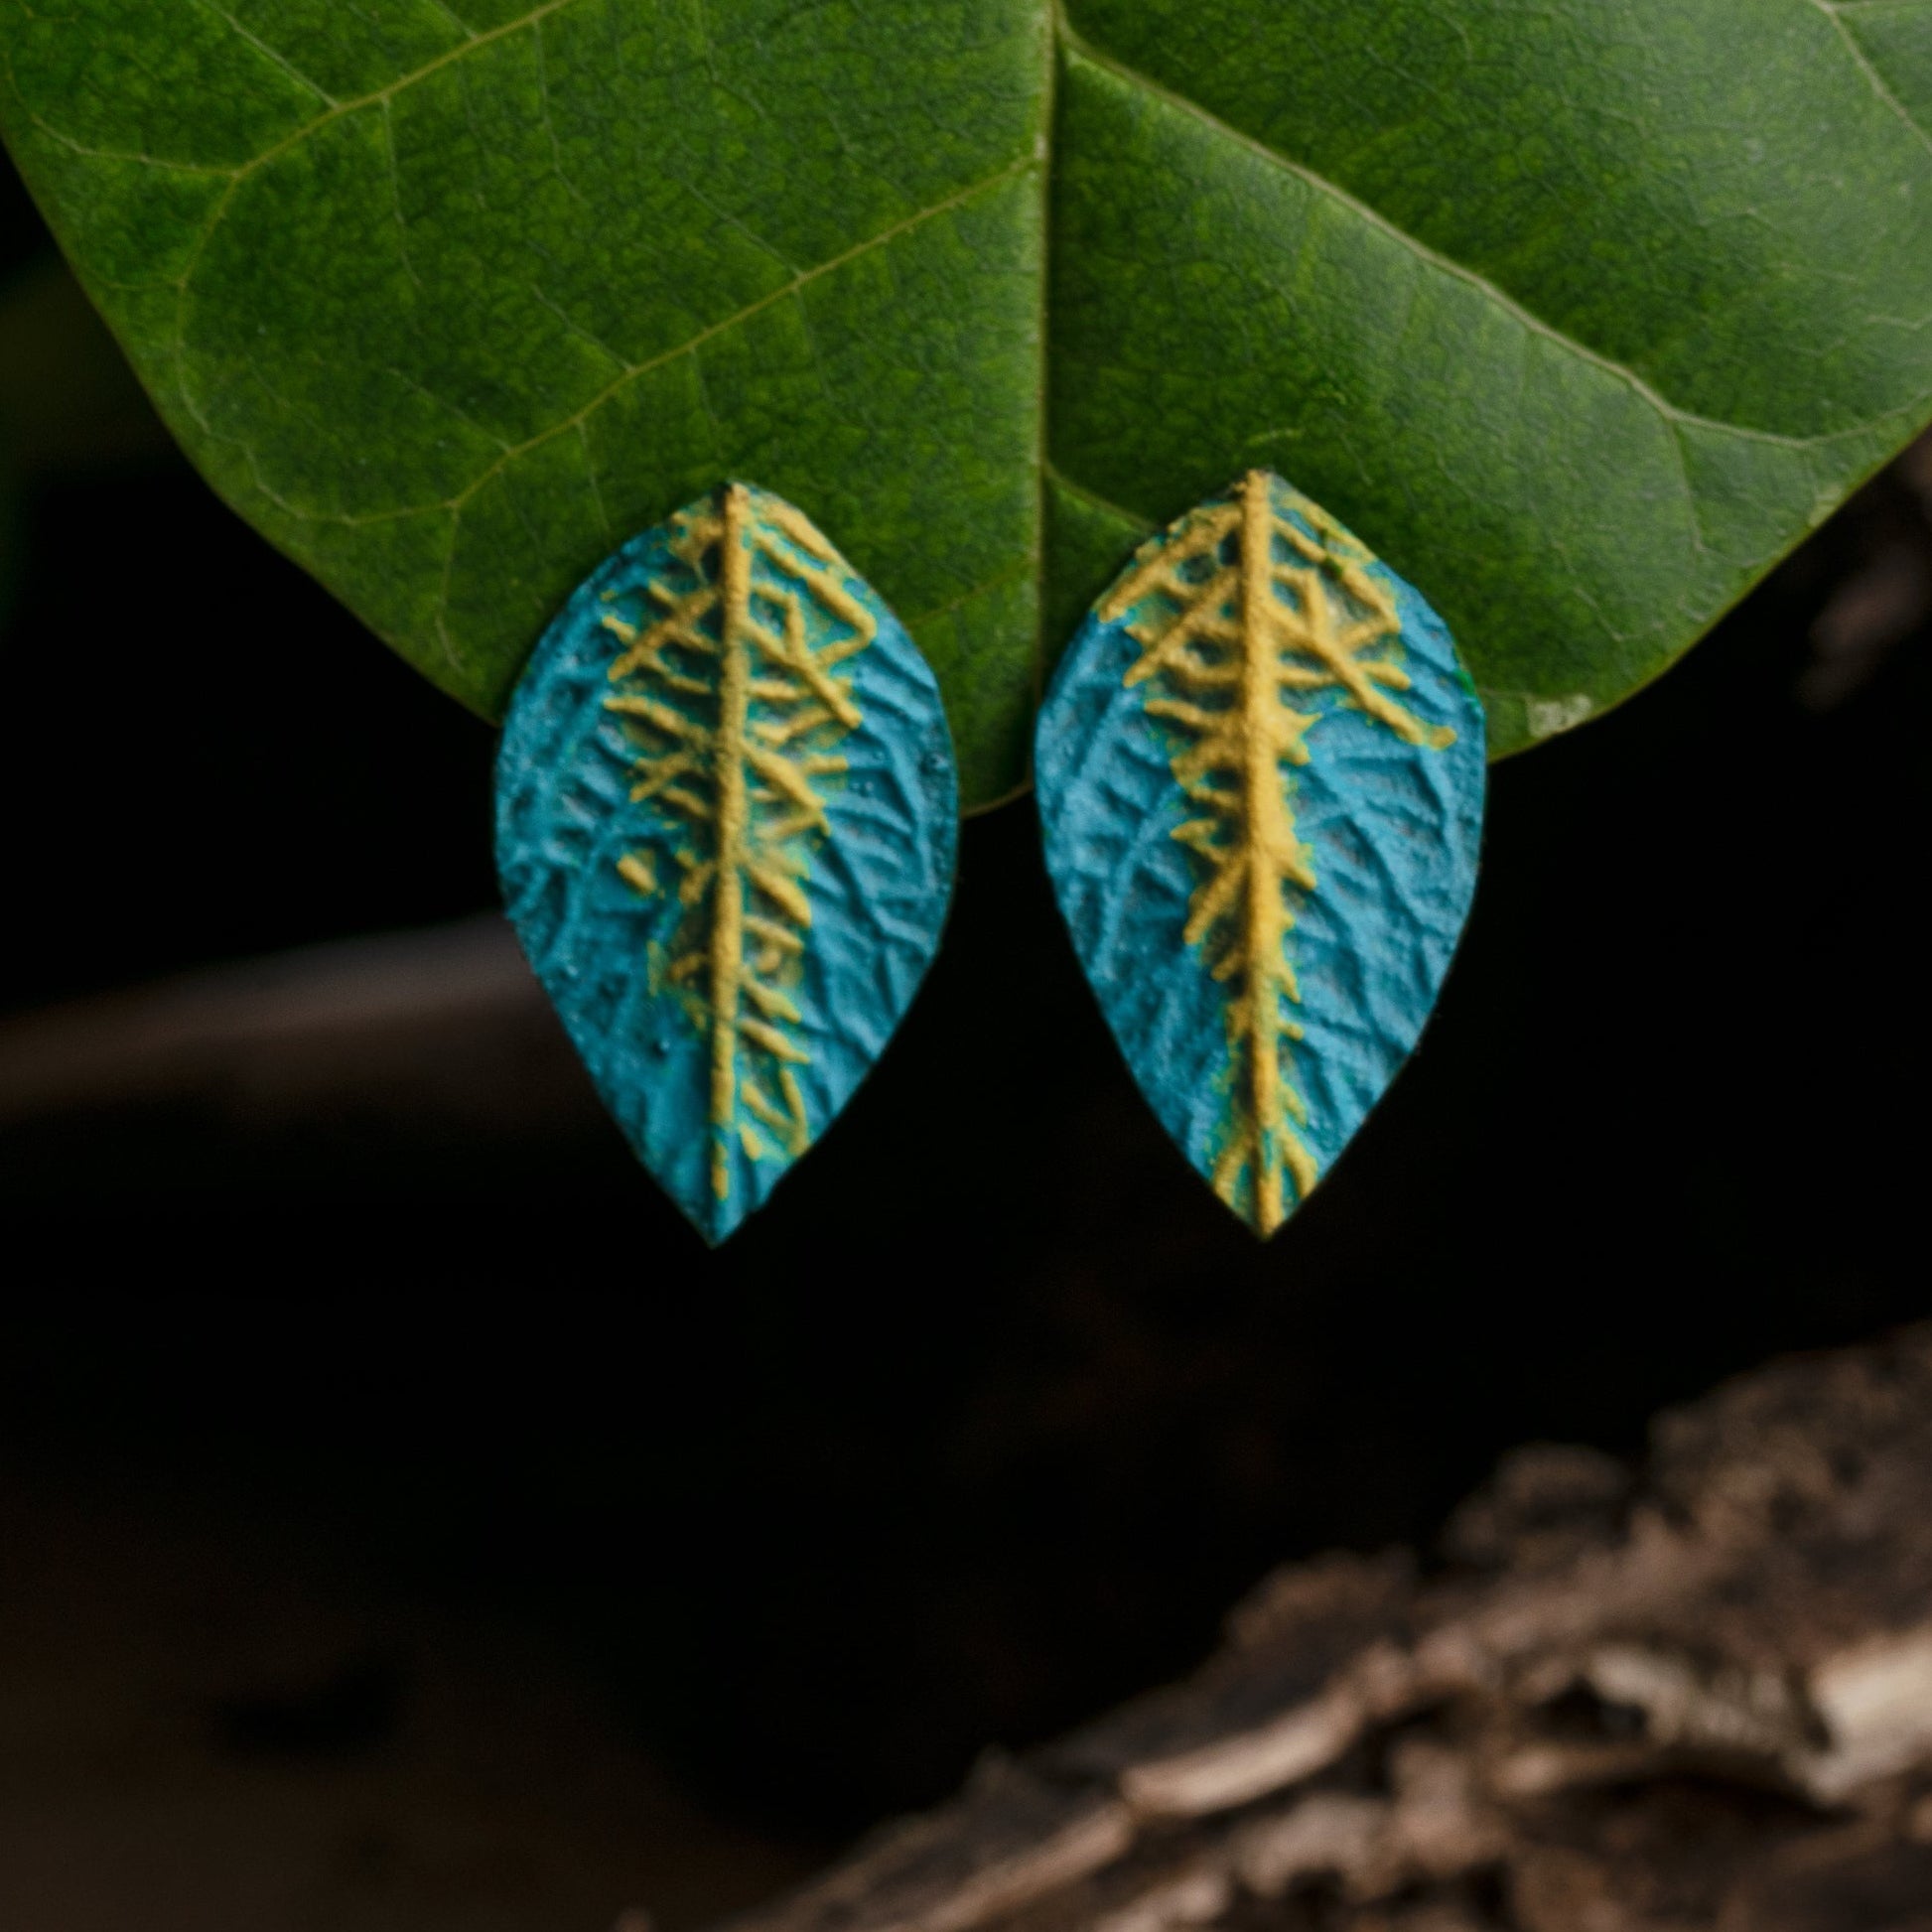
1260 772
725 822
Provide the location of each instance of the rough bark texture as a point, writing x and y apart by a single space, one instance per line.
1694 1699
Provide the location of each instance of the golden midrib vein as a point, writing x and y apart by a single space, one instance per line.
1225 639
733 807
1261 779
744 783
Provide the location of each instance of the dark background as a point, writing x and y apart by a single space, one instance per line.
982 1425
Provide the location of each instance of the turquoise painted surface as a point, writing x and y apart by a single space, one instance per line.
1390 827
845 855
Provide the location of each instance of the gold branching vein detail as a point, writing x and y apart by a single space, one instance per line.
1241 613
729 684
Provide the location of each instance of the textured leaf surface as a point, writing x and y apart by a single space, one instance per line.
1261 774
725 822
1580 313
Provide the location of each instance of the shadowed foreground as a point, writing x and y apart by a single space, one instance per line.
1696 1699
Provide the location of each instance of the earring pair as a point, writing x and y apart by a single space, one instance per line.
728 826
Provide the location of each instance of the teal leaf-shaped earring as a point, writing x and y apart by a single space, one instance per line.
726 816
1261 773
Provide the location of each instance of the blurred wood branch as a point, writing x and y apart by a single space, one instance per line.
1698 1700
1886 600
444 1020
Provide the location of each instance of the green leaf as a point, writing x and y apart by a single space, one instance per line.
1579 315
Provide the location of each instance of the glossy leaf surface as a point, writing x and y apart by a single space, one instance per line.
727 813
1260 774
1582 313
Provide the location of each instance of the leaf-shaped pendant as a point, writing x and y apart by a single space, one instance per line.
1261 774
726 824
